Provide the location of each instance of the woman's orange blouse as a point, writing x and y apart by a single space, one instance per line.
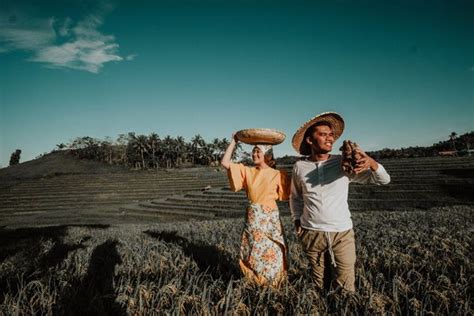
263 186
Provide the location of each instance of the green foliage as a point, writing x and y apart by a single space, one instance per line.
144 152
455 142
409 262
15 157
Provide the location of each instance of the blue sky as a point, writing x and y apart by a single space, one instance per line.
401 73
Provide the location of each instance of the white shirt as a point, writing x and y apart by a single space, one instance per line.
319 192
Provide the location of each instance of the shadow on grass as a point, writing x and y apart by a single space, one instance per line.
209 258
29 239
462 191
95 294
33 262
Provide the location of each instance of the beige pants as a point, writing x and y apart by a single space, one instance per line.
315 244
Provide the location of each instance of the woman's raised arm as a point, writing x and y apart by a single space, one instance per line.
225 162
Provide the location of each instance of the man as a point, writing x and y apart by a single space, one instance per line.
318 201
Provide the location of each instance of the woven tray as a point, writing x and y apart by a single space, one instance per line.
263 136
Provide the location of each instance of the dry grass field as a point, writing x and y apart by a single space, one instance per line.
409 262
161 245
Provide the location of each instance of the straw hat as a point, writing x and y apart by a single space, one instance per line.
336 121
260 136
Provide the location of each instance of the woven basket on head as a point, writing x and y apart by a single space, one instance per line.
260 136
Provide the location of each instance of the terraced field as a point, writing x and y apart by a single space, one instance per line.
120 196
58 189
90 239
416 183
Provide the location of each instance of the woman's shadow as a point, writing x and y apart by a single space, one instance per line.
209 258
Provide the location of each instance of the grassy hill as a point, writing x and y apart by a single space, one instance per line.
60 189
79 237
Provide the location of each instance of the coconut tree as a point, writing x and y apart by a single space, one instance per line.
197 142
180 149
208 154
452 137
168 151
237 151
153 143
133 156
215 147
140 145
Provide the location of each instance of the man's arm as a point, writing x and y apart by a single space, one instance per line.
296 200
369 171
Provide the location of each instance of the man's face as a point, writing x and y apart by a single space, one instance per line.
322 139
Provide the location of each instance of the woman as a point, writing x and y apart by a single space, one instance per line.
263 251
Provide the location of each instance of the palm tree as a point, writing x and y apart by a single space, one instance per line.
180 148
216 149
452 136
197 142
141 146
237 150
133 155
167 151
153 143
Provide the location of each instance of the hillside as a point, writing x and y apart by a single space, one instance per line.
53 164
59 189
135 242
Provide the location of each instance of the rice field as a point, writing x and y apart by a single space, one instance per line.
409 262
76 242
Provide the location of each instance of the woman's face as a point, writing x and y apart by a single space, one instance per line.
258 156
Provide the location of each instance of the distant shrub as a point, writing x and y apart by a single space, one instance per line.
15 157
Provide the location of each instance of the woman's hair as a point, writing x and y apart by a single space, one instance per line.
271 162
268 155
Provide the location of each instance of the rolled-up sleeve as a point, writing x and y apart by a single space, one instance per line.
296 196
236 175
379 176
284 186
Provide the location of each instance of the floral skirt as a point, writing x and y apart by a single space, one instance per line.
263 250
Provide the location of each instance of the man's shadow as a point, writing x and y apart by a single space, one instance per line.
95 294
217 262
35 264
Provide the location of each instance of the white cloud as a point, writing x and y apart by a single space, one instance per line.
131 57
26 37
61 43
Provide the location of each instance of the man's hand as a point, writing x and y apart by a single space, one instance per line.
298 228
364 162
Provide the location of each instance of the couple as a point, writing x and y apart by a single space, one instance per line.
318 193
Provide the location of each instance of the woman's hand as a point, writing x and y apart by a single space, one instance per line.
226 159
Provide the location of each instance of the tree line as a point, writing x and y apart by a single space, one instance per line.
459 145
149 151
152 151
